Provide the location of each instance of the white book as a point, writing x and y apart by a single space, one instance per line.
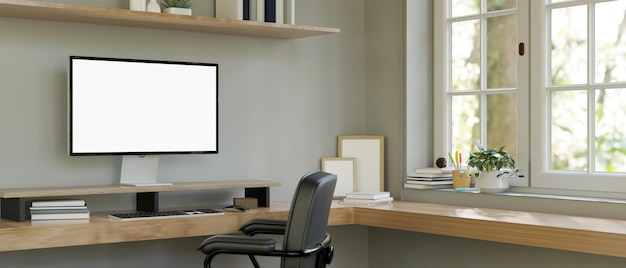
367 195
59 211
280 13
426 187
430 175
230 9
66 215
260 10
434 170
446 182
54 222
57 208
58 203
252 10
290 12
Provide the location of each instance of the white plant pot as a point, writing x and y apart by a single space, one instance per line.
489 182
177 10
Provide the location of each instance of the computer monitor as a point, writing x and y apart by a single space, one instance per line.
141 109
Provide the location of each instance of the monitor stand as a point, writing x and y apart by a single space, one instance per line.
140 170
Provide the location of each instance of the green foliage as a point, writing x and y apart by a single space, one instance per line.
492 160
175 3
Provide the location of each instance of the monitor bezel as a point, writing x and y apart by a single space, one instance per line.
138 153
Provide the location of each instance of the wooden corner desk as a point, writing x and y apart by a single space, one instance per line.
580 234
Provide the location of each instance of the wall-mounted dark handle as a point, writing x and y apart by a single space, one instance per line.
520 49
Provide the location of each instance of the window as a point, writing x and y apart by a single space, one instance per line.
578 95
481 79
560 104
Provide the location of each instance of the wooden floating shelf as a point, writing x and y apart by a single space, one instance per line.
123 189
14 207
129 18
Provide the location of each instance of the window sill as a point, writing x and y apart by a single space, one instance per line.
608 205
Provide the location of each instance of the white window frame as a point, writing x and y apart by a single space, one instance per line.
442 118
534 161
541 176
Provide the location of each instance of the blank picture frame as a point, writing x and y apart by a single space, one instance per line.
370 162
345 169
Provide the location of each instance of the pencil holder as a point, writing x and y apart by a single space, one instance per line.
461 178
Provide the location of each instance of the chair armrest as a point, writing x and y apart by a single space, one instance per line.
263 226
240 244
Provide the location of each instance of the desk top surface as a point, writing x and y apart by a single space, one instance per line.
573 233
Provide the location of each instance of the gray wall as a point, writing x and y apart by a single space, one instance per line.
282 105
282 102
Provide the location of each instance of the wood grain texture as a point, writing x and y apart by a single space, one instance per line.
130 18
102 230
572 233
122 189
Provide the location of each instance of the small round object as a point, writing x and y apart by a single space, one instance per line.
441 162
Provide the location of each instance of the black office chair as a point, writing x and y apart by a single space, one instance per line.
306 244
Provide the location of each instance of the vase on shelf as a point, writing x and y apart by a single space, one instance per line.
153 6
137 5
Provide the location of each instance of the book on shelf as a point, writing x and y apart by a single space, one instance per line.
61 214
426 187
59 203
289 9
246 10
356 201
446 182
230 9
434 170
367 195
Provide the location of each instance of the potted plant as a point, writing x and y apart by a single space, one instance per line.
180 7
491 165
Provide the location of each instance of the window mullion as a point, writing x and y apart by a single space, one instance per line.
483 76
591 141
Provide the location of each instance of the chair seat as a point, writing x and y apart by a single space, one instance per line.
233 242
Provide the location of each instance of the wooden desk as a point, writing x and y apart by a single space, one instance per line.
572 233
580 234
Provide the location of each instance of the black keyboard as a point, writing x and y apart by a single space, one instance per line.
164 214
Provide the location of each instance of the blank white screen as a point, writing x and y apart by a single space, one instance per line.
141 107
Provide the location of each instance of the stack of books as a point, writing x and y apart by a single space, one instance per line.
59 210
367 198
429 178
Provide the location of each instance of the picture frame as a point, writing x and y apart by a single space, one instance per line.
370 162
345 169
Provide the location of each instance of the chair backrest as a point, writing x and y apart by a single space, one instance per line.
308 216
